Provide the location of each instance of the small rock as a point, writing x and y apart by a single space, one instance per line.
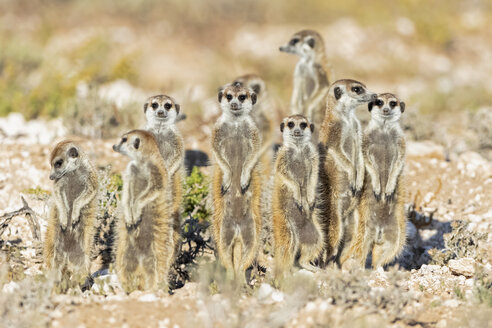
464 266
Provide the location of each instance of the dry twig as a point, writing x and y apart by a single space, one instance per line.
29 214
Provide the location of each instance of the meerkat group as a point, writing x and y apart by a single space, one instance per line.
337 190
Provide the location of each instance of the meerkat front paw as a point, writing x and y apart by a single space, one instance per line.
389 196
245 181
63 222
75 220
389 193
377 195
226 184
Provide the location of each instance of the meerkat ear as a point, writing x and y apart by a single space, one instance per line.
177 108
402 106
311 42
253 98
338 93
136 143
145 107
311 126
221 93
282 125
370 104
256 88
73 152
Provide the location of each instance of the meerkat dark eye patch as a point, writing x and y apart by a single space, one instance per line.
293 41
72 152
58 163
242 98
256 88
392 104
291 125
124 139
229 97
338 93
402 106
168 106
369 105
136 143
357 90
311 42
303 125
379 103
155 105
282 125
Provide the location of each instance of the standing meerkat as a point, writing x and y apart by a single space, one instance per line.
236 185
295 228
161 113
72 218
382 223
342 165
311 82
145 243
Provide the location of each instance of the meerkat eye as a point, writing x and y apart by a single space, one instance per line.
124 139
379 103
294 41
357 90
241 98
303 125
291 124
392 104
168 106
59 163
155 105
229 97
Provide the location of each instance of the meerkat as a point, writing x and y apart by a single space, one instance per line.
145 242
71 224
311 81
161 113
342 167
295 229
236 185
382 223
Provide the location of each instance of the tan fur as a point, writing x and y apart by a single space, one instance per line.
311 81
69 236
171 147
145 243
382 221
236 185
341 166
295 228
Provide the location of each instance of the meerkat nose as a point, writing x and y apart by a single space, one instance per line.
234 106
374 96
386 110
115 147
52 177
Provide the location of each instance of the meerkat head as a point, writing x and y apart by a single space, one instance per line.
254 82
306 44
386 108
65 158
348 94
160 110
296 129
137 144
237 99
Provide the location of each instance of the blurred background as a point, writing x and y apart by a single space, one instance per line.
91 64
